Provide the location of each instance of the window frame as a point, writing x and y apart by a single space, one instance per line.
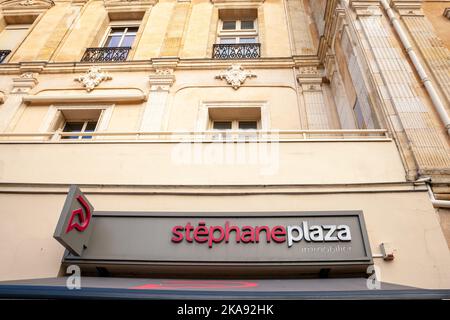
54 120
83 129
120 24
16 26
238 33
235 124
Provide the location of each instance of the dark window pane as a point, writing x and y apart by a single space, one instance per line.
72 127
117 31
222 125
90 127
229 25
132 30
248 125
245 25
128 41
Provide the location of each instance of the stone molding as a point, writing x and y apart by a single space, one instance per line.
25 82
162 79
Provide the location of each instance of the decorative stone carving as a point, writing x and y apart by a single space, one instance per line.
27 2
308 71
19 4
121 4
93 77
162 79
25 82
164 72
235 75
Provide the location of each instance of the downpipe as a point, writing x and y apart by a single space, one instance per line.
437 102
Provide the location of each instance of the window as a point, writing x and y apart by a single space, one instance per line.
11 37
238 31
235 125
76 121
85 126
246 120
121 37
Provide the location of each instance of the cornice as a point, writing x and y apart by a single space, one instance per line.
155 64
21 4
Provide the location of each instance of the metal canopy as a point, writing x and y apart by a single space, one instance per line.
138 288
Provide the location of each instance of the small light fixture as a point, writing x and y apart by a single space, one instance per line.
387 250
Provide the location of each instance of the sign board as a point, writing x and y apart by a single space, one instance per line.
74 227
316 238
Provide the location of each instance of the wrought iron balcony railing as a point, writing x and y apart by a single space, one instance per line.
237 51
106 54
4 54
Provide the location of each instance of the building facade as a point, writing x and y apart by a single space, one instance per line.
228 106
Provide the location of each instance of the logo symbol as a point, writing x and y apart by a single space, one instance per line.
83 219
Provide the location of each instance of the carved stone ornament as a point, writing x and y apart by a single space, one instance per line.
93 77
308 71
235 75
20 4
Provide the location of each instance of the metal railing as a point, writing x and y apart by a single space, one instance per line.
237 51
106 54
200 136
4 54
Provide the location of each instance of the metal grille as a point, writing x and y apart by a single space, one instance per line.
4 54
237 51
106 54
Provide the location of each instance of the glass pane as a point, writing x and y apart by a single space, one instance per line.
112 41
72 127
128 40
132 30
248 125
247 40
90 127
222 125
117 31
227 40
229 25
249 24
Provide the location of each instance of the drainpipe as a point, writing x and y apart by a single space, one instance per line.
437 102
434 202
437 203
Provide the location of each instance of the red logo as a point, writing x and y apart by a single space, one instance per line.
83 219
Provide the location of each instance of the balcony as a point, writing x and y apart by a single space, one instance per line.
4 54
106 54
237 51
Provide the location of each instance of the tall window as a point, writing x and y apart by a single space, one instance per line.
238 31
11 36
121 36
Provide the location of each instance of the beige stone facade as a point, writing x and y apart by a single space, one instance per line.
345 116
